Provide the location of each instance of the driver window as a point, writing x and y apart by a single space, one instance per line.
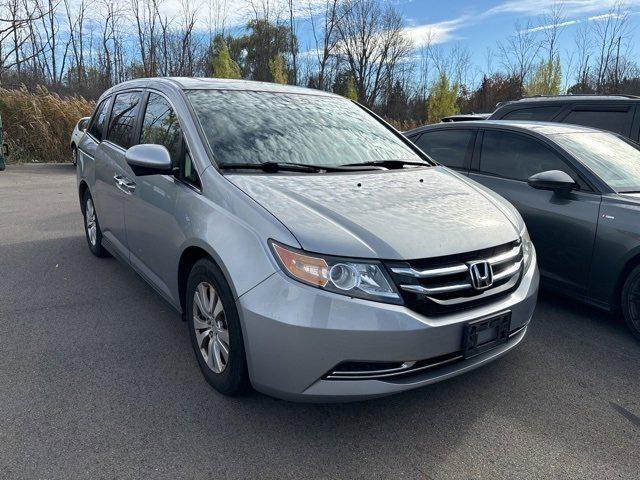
517 157
161 126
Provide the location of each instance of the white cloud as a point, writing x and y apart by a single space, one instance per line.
435 33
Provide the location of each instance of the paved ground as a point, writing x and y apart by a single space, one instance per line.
98 380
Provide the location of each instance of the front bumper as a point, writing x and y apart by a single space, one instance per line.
295 334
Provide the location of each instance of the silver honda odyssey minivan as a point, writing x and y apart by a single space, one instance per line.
314 252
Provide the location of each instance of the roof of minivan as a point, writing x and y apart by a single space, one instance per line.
192 83
543 128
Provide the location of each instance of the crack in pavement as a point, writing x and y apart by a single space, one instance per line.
626 414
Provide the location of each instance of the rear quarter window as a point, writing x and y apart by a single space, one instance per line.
448 147
539 114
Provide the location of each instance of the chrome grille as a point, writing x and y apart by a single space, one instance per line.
444 284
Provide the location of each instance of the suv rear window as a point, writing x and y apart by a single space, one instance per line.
618 121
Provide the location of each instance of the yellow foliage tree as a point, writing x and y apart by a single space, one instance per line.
277 70
546 80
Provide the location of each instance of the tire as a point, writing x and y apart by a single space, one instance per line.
92 226
214 328
74 155
630 301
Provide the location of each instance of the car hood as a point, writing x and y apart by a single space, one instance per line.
405 214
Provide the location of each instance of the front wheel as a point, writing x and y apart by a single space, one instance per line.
214 328
631 301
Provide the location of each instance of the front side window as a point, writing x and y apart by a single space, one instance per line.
246 127
123 118
517 157
448 147
160 125
615 160
97 124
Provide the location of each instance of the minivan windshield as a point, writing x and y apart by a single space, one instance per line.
248 127
615 160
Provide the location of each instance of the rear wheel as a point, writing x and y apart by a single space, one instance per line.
214 328
631 301
92 226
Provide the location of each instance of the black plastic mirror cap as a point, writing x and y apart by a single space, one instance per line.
555 180
149 159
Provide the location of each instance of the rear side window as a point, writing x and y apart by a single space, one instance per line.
448 147
123 118
618 121
97 123
161 126
517 157
539 114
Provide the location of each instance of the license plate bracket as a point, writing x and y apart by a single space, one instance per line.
485 334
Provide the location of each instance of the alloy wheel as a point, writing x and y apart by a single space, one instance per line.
90 219
633 302
209 322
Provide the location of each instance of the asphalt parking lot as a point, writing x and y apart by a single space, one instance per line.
98 380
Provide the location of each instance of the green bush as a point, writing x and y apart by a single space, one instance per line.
38 124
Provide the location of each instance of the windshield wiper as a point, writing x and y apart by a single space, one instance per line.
274 167
391 164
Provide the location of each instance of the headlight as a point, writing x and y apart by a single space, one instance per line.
527 248
355 278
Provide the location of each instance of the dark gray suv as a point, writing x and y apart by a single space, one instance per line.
615 113
578 190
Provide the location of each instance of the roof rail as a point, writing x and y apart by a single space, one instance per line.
623 95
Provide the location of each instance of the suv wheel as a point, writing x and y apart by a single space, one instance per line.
214 328
631 301
92 227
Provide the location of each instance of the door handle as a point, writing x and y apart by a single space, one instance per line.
124 184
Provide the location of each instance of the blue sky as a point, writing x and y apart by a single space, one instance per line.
478 25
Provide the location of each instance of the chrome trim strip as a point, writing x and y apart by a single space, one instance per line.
507 272
435 272
404 366
435 290
505 257
333 375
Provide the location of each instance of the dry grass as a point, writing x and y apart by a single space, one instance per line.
38 124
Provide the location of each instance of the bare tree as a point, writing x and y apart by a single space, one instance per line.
611 34
519 53
372 43
325 37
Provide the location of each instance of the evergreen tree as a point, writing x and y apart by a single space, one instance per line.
442 100
223 65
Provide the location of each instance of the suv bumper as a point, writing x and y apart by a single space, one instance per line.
295 335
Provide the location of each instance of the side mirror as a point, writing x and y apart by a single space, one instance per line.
149 159
555 180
